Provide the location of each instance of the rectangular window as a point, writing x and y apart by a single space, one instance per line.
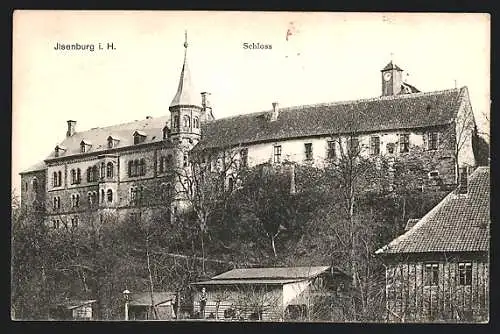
277 154
433 141
431 274
465 273
309 151
404 143
331 153
353 146
244 157
130 167
375 145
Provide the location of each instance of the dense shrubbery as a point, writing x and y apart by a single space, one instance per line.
337 216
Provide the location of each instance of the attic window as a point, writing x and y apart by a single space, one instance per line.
58 150
139 137
112 142
85 146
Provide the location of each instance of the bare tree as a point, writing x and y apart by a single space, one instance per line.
201 183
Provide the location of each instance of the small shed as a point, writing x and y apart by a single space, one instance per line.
72 310
139 307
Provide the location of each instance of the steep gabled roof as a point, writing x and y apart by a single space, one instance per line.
404 111
459 223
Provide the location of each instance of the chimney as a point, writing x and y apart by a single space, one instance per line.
207 106
71 128
275 112
463 179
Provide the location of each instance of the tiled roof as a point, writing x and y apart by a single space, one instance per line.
272 273
377 114
144 298
459 223
34 168
410 223
404 111
151 127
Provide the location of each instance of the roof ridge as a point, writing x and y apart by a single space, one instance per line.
327 104
120 124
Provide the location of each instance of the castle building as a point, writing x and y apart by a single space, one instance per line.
105 171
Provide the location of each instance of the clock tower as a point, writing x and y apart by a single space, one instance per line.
392 79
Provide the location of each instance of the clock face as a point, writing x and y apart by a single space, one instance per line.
387 76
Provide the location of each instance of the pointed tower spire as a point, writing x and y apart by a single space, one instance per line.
185 95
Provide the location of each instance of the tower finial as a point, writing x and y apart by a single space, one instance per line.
185 39
392 56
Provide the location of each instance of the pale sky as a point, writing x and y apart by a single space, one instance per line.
340 58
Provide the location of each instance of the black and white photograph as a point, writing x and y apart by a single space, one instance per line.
223 166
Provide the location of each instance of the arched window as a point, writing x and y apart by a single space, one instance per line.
142 167
133 195
110 195
34 185
102 196
54 204
109 170
78 175
103 170
59 178
89 174
135 170
73 176
110 142
175 123
186 122
94 174
196 122
82 147
74 222
54 179
77 200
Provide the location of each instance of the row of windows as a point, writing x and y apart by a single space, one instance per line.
107 170
56 223
464 274
137 167
353 146
186 122
92 198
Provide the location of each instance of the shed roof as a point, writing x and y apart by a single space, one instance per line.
144 298
273 273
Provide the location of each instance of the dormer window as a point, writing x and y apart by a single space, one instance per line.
59 150
85 146
139 137
112 142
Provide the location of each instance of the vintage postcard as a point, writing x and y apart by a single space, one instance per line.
250 166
